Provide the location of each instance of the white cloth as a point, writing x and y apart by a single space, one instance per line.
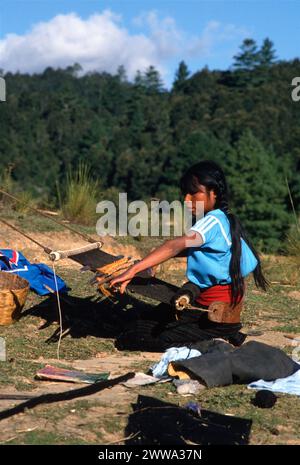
288 385
172 354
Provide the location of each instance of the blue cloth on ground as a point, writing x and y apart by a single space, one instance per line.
38 275
170 355
288 385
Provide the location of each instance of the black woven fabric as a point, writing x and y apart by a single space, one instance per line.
159 331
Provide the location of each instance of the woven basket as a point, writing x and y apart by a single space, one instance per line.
13 293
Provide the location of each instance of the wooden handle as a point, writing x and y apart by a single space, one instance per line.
55 255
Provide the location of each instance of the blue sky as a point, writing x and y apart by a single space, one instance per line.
103 34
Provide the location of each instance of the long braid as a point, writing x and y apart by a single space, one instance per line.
236 229
237 281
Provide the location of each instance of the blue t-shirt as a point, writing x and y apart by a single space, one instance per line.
208 265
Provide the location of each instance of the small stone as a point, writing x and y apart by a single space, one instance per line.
189 387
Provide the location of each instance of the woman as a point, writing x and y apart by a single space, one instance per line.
219 257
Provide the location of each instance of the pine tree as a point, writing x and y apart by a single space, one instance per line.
152 81
267 54
181 76
248 58
74 70
121 74
138 79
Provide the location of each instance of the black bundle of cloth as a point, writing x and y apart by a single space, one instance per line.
221 364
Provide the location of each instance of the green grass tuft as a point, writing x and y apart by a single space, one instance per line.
81 196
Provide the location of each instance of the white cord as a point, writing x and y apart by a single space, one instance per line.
59 310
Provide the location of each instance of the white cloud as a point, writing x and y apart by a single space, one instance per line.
214 35
164 33
97 43
102 43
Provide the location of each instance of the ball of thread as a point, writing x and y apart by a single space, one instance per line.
264 399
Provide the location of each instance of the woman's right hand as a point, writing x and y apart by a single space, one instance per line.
124 279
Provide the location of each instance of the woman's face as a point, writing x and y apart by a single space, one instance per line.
208 199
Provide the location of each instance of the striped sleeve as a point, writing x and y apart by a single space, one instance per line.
206 227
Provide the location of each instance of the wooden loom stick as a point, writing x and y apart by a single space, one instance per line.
55 255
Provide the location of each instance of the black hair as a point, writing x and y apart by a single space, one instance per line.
211 175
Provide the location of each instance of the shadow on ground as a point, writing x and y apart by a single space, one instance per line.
159 423
82 317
